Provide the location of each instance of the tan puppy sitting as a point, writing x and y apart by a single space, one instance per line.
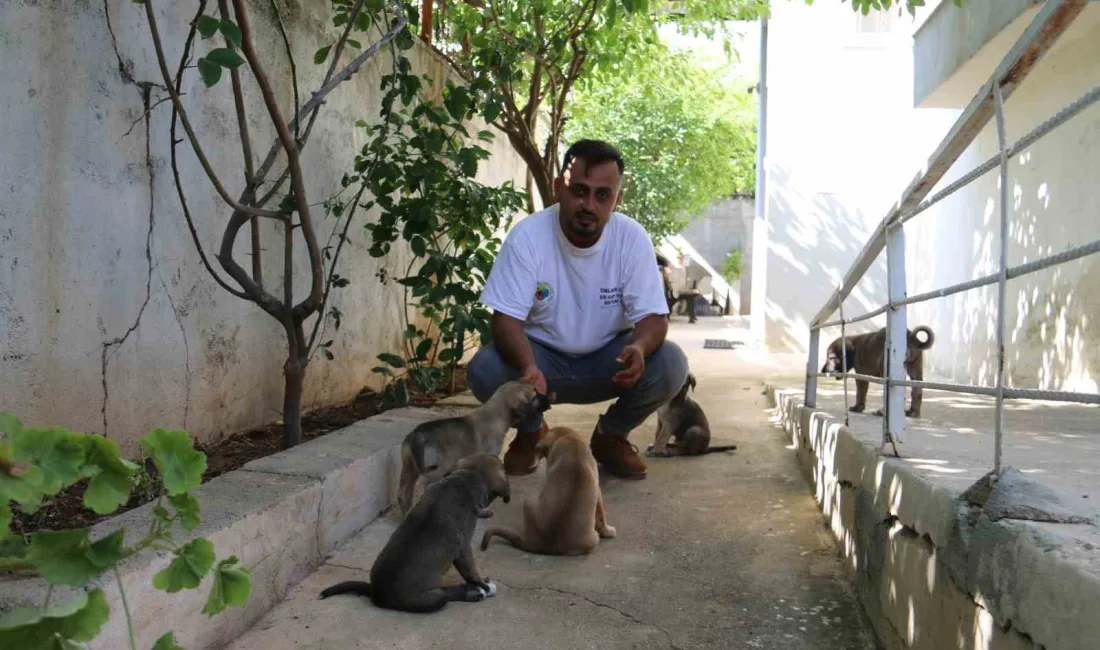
568 516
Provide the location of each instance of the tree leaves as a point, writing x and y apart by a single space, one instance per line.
321 54
232 586
225 57
180 465
210 66
230 30
690 140
391 359
192 562
207 26
33 628
211 72
167 641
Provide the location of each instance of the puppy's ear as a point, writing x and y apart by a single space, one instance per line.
691 380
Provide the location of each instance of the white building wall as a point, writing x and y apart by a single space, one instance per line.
843 141
1053 317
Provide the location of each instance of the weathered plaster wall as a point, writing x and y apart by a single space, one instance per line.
108 322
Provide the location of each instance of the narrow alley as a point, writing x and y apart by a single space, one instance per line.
724 551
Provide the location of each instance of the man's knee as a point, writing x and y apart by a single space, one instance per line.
486 372
668 370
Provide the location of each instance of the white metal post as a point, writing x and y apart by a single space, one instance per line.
998 417
810 397
844 361
893 423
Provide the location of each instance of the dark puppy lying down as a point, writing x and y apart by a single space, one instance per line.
436 534
865 354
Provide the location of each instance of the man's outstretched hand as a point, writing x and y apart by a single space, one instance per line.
633 359
532 375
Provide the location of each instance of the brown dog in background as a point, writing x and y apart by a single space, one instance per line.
865 354
568 515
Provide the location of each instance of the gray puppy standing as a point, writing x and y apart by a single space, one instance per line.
433 448
408 574
683 420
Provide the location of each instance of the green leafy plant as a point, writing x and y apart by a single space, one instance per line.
420 166
533 53
688 137
867 6
36 464
732 266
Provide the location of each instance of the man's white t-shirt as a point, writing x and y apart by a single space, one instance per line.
575 300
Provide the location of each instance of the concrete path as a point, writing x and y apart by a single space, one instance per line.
725 551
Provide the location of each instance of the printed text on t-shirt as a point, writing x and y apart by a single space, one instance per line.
610 296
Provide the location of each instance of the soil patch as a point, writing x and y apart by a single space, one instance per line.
66 510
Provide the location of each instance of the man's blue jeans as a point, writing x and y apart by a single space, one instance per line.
586 379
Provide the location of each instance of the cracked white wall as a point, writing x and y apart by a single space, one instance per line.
108 322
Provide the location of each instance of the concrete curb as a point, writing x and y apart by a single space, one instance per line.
930 571
281 515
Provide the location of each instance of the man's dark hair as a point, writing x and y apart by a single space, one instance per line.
593 152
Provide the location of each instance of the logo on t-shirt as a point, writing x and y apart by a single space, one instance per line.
542 292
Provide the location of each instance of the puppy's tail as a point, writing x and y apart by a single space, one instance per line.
711 450
928 333
357 587
513 538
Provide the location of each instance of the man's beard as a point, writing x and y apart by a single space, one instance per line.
585 224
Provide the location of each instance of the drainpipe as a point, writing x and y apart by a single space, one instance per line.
758 289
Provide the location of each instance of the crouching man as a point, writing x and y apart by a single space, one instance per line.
580 312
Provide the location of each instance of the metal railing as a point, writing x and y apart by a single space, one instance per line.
1052 20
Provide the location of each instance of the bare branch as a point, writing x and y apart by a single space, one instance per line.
144 114
297 180
332 267
246 151
290 59
175 165
158 46
327 86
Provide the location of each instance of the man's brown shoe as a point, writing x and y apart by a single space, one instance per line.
520 458
617 456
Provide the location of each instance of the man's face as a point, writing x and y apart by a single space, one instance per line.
587 195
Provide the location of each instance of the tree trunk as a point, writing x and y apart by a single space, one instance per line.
295 373
543 177
544 180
